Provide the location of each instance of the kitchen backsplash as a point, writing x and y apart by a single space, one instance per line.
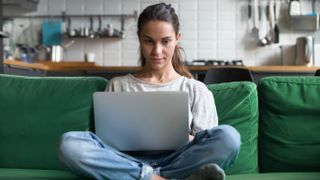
211 29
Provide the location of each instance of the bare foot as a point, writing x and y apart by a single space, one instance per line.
156 177
209 171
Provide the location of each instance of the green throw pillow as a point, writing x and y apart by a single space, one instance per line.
237 105
289 129
36 111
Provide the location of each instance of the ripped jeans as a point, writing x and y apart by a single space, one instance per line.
86 155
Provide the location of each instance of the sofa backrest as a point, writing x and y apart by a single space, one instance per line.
36 111
289 124
237 105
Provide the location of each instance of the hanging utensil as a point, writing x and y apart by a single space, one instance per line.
314 7
70 32
99 32
264 25
255 29
277 6
91 31
249 9
249 14
271 20
270 24
261 33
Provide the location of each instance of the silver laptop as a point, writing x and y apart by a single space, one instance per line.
142 121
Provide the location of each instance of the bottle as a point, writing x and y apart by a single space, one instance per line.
110 30
294 8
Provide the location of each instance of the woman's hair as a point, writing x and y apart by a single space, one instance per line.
166 13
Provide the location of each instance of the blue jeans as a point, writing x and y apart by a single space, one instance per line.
87 156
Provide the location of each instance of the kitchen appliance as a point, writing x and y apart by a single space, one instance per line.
316 54
57 51
288 54
305 51
215 62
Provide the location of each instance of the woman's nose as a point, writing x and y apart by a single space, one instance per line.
157 49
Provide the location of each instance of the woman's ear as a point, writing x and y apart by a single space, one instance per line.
178 35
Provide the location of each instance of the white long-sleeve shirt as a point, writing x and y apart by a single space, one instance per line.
202 109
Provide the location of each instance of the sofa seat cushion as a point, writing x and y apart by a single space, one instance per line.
237 105
277 176
289 136
36 111
6 173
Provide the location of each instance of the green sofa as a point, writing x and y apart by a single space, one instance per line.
279 124
34 112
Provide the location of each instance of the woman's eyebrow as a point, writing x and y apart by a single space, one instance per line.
167 38
145 36
164 38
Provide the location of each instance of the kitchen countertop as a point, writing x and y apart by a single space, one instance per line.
65 66
73 66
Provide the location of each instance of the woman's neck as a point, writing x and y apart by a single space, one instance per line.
157 76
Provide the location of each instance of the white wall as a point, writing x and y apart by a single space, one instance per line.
211 29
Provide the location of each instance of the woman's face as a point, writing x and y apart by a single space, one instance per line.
158 41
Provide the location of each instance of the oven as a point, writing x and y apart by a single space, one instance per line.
215 62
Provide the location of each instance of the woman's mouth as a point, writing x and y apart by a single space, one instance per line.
157 59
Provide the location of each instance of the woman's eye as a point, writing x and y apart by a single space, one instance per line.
147 41
166 42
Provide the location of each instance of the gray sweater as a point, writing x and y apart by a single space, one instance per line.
202 109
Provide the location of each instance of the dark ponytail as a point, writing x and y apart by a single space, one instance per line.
164 12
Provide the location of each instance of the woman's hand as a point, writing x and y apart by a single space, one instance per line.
191 138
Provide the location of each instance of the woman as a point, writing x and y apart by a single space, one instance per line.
211 147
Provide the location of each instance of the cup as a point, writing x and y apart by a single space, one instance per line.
110 30
89 57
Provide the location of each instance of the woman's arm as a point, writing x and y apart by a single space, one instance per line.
203 109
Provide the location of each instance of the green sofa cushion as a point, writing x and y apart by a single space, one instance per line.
237 105
36 111
289 129
277 176
28 174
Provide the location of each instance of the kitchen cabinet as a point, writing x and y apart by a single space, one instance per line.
45 68
305 22
24 4
301 21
